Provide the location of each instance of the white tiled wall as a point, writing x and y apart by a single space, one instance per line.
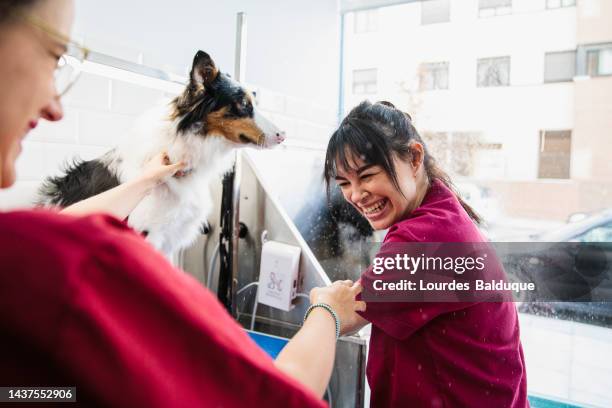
100 108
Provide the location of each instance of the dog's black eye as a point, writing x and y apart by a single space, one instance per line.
244 108
249 108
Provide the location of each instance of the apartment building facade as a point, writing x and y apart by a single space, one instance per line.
514 95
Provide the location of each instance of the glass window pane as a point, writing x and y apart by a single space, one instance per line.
426 81
605 62
555 153
365 81
494 3
434 76
488 8
599 61
494 71
442 76
592 62
365 75
435 11
559 66
439 147
366 21
463 148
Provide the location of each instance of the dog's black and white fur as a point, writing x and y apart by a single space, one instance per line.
202 127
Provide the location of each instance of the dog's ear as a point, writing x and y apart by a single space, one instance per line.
203 71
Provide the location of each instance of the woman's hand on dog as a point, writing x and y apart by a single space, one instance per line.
341 297
159 168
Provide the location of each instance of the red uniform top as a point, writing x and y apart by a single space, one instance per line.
86 302
443 354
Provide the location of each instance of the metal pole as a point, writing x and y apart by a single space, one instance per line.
241 43
239 72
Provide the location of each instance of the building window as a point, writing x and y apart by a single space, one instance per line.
433 76
493 72
490 8
365 81
435 11
458 152
559 66
555 4
366 21
599 61
555 152
438 144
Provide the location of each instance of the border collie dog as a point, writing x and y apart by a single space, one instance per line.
202 127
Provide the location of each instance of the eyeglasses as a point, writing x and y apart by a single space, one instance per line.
68 67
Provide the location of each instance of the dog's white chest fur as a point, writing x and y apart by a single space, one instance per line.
174 211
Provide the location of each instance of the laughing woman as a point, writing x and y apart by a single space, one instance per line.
422 354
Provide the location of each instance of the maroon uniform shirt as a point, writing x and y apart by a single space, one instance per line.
86 302
443 354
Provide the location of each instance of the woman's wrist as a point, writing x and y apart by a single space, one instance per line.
327 312
143 184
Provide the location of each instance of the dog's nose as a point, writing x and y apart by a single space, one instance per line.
280 136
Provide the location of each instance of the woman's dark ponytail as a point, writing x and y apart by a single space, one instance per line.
434 172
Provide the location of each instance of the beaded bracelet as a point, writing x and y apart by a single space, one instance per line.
330 310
